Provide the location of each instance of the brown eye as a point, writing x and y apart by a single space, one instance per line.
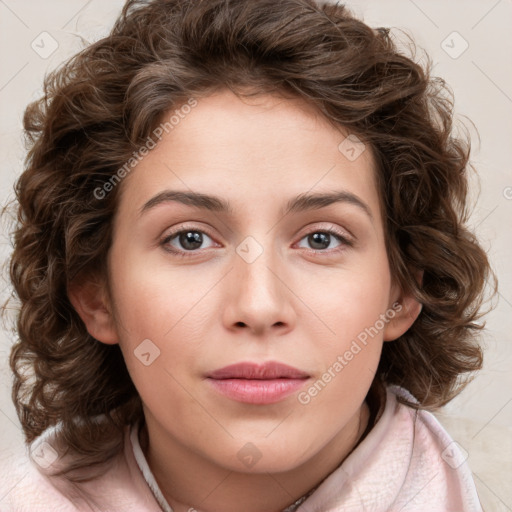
320 240
189 240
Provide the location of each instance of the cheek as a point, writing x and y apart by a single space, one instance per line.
160 318
156 339
151 299
346 300
349 307
348 355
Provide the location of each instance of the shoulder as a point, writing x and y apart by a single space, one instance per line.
429 436
435 468
27 483
24 488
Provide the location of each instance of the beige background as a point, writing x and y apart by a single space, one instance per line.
480 419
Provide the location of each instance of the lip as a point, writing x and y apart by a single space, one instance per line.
255 383
265 371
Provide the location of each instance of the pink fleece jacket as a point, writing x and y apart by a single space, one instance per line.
407 462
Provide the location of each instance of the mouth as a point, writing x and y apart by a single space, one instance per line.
254 383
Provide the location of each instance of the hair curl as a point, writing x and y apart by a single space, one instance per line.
103 103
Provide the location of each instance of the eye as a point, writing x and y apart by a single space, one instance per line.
188 240
321 239
185 241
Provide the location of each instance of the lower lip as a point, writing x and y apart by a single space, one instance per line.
257 391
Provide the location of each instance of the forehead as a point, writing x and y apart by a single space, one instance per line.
258 149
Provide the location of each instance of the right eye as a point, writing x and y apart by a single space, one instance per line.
184 240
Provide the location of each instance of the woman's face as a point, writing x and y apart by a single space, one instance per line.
267 273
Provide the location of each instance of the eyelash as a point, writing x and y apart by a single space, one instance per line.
184 254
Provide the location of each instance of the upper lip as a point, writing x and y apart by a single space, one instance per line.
249 370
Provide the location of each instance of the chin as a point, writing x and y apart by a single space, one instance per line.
255 457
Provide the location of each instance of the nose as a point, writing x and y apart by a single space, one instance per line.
259 298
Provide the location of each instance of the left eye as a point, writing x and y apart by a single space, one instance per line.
320 240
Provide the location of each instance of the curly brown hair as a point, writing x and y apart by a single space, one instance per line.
103 103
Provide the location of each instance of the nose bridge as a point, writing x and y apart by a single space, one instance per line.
256 267
259 299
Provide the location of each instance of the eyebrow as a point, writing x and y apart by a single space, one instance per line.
302 202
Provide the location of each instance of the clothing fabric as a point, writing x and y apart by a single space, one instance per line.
407 462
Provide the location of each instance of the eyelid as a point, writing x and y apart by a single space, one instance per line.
186 227
342 232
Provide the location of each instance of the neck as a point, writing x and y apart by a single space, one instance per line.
191 483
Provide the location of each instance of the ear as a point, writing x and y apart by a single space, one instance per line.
406 310
90 300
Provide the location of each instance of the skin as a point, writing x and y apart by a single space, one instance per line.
296 303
